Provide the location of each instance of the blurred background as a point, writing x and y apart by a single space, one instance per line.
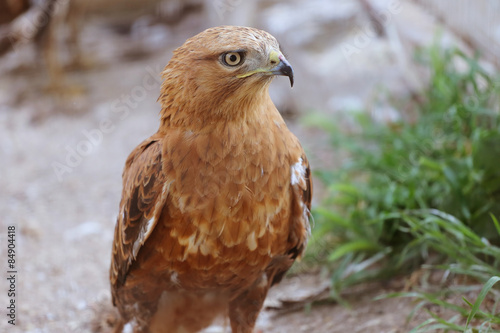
78 87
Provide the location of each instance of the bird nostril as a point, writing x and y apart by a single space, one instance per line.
273 62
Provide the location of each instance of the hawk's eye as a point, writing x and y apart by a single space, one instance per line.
232 58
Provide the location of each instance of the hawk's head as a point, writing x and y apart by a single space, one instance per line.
222 67
236 52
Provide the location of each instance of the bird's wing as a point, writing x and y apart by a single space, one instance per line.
300 227
143 197
301 206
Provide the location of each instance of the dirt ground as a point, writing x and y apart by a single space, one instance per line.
62 156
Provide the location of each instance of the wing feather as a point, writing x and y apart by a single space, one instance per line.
142 200
300 227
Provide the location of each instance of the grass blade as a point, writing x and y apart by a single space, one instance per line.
480 298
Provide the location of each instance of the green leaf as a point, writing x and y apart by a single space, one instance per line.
495 221
487 287
354 246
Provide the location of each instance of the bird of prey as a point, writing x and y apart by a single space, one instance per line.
215 205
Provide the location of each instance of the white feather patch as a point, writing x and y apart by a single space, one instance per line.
252 241
298 178
174 278
143 236
151 223
128 328
298 173
149 227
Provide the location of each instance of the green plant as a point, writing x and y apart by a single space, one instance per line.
489 321
422 191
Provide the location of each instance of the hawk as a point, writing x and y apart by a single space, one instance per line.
215 205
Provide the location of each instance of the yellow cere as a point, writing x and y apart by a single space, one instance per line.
274 57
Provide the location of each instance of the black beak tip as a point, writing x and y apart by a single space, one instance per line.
288 71
284 68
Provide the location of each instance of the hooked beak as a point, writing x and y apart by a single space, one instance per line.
283 68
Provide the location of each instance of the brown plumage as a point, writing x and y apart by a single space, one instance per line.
10 9
215 205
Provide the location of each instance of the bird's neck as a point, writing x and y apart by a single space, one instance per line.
201 113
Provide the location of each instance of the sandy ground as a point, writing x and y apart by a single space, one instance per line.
62 159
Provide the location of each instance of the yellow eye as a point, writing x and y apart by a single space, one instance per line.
232 58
